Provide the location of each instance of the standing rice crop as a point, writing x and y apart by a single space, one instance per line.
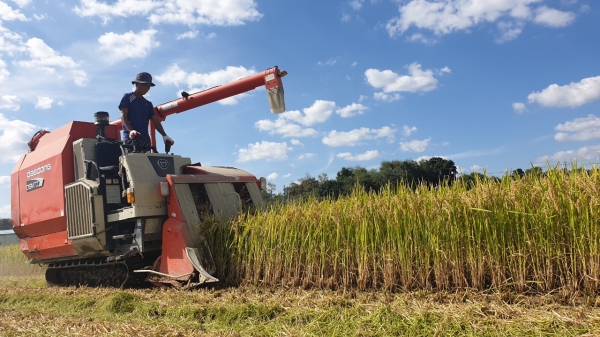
535 233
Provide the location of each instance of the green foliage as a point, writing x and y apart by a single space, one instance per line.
432 173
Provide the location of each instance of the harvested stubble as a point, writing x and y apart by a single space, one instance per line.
532 234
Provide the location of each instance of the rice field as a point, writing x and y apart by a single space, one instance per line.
13 263
531 234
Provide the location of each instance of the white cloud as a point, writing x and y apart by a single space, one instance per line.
43 102
319 112
354 64
129 45
264 150
369 155
207 12
306 156
415 145
46 59
356 136
176 76
211 35
351 110
272 176
123 8
571 95
584 153
418 37
346 17
579 129
417 80
519 107
5 211
448 16
408 130
296 142
14 138
553 18
330 62
286 175
4 180
476 168
385 97
4 73
22 3
187 35
185 12
356 4
286 129
9 14
509 31
9 102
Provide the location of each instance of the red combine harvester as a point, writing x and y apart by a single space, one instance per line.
101 212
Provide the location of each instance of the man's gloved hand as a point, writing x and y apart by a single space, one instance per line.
133 134
168 139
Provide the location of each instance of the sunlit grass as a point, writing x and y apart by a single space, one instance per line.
13 263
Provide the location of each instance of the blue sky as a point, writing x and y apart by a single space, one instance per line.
489 84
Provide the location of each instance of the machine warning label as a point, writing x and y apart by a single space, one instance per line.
34 184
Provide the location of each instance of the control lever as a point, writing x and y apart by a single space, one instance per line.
167 147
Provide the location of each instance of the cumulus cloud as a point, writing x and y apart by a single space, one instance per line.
191 34
9 14
120 47
417 80
4 73
369 155
357 136
579 129
185 12
408 130
351 110
123 8
10 102
14 138
22 3
306 156
590 153
319 112
4 180
268 151
43 102
519 107
385 97
415 145
570 95
296 142
443 17
194 81
46 59
272 176
553 18
282 127
286 175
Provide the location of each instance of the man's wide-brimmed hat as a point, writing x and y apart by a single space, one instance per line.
143 78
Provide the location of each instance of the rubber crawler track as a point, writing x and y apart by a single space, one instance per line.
91 273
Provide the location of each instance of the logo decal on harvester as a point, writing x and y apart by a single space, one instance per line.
34 184
163 164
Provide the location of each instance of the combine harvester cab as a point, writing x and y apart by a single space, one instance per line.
101 212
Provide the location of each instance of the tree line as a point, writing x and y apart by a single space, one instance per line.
410 173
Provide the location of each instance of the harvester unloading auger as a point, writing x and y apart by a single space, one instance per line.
100 212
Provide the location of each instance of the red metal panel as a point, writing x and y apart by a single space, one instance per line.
40 212
176 238
50 246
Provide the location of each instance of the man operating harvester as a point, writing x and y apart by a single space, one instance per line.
136 111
